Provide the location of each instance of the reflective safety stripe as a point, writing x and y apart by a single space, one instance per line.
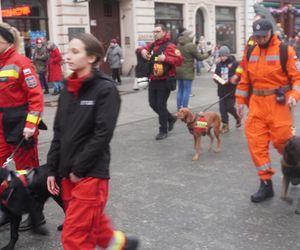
264 167
35 119
296 88
239 70
253 58
11 67
118 241
22 172
242 93
9 73
272 58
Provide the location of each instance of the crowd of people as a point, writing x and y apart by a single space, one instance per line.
79 156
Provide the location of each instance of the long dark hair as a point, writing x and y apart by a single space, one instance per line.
93 47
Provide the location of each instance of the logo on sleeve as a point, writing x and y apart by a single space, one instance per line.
27 71
31 82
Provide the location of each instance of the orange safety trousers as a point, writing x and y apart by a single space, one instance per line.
267 122
86 225
25 157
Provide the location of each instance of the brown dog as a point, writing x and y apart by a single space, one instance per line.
201 124
290 166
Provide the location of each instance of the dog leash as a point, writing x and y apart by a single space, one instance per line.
228 94
10 158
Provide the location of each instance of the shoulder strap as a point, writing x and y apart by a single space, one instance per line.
162 48
249 51
283 56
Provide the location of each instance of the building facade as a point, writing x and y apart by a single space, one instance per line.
222 22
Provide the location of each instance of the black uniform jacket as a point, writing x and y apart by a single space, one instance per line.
83 128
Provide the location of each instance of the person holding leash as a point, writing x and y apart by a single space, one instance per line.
269 92
21 104
85 120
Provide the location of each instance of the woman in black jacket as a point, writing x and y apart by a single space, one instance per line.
226 90
84 124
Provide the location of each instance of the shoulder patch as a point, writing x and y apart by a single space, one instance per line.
177 52
30 82
27 71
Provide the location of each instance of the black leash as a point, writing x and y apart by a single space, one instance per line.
228 94
10 158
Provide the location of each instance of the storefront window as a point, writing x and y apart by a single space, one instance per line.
29 17
170 15
225 27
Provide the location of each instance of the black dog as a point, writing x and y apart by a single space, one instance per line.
24 194
290 166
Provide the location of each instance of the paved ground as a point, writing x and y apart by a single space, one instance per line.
172 203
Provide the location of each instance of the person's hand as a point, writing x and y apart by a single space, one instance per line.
240 110
234 79
161 57
121 61
28 132
144 54
52 186
292 101
74 178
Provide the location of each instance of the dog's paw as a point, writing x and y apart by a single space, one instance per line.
196 157
287 199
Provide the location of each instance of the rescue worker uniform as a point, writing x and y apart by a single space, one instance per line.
159 89
21 105
268 120
86 117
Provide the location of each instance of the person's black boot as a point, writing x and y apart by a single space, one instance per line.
4 219
132 243
265 191
28 225
161 136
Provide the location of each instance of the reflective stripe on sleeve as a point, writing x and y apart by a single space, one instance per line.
295 87
242 93
264 167
33 118
253 58
239 70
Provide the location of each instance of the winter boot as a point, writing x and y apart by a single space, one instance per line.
225 128
265 191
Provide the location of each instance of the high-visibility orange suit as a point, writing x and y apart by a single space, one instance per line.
268 121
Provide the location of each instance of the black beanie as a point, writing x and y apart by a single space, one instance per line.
6 35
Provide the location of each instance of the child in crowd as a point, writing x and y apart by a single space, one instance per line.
225 69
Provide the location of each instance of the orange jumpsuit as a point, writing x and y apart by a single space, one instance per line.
19 88
267 121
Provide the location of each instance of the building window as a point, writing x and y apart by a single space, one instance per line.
297 24
226 27
170 15
108 8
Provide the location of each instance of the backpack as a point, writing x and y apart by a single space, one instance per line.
283 55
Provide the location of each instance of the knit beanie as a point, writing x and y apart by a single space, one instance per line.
224 51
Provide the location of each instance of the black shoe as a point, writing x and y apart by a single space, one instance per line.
238 122
60 227
27 224
161 136
171 123
131 243
4 219
295 181
46 92
265 191
55 93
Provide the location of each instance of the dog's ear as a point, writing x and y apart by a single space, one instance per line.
189 116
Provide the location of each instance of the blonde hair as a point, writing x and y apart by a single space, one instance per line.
15 33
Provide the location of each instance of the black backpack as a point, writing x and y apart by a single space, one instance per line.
283 55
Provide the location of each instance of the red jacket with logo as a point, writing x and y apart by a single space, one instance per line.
173 56
19 85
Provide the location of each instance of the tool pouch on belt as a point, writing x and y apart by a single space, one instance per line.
280 98
13 122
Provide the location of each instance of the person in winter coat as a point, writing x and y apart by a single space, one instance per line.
54 68
141 74
163 72
40 59
185 74
114 57
84 124
225 70
21 104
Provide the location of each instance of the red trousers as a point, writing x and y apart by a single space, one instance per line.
86 225
24 158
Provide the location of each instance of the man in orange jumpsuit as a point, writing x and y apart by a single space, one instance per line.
273 93
21 104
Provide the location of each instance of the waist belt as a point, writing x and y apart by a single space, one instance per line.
266 92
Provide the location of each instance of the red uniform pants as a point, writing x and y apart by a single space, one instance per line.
25 157
86 225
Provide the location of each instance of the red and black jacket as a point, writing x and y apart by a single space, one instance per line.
83 127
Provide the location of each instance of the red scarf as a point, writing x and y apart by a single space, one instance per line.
74 83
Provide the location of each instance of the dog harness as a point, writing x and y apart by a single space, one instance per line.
21 174
198 126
